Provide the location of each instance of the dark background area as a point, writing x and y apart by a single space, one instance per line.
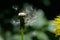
50 11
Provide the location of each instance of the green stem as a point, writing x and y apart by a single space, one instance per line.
22 34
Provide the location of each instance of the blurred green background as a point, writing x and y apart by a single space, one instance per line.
38 22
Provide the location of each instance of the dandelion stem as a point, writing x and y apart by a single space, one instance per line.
22 34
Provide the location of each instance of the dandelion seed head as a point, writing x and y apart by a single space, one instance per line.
33 17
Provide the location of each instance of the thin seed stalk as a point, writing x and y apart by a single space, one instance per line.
22 34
